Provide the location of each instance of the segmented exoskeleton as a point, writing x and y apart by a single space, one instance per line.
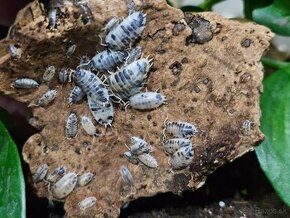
126 176
24 83
172 145
76 95
146 100
181 129
71 125
182 158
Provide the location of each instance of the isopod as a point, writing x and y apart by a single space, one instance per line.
71 125
40 173
126 176
91 85
24 83
124 34
182 158
63 75
139 146
108 60
247 127
64 186
130 79
103 114
88 126
55 175
71 50
49 73
47 97
85 179
134 55
87 202
54 6
172 145
148 160
130 157
76 95
14 51
181 129
146 100
85 11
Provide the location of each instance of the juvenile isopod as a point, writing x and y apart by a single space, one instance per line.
46 98
88 126
182 158
134 55
24 83
76 95
71 50
87 202
71 125
124 34
40 173
146 100
130 157
148 160
126 176
63 75
180 129
130 79
85 10
54 6
85 179
14 51
49 73
64 186
247 127
172 145
55 175
139 146
108 60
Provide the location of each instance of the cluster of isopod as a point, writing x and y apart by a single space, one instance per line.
61 183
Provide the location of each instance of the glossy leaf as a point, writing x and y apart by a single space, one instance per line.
274 153
275 16
12 188
250 5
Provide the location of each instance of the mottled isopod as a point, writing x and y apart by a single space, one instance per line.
71 50
126 176
182 158
85 11
85 179
55 175
108 60
76 95
87 202
134 55
49 73
71 125
147 100
63 75
64 186
124 34
148 160
47 97
88 126
53 6
14 51
172 145
40 173
24 83
130 157
139 146
181 129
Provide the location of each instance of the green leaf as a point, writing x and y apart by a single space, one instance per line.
274 153
275 16
250 5
12 188
208 4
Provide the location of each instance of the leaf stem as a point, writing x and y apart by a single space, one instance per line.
275 63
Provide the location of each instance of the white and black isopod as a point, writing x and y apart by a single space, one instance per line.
180 129
14 51
147 100
130 157
56 174
64 186
46 98
76 95
172 145
24 83
108 60
134 55
40 173
139 146
63 75
87 202
130 79
148 160
124 34
85 179
88 126
71 125
49 73
71 50
182 158
126 176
